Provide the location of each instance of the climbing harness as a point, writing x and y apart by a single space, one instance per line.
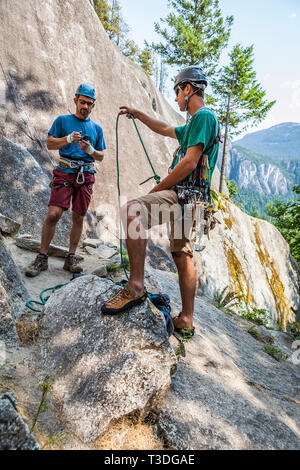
79 165
194 192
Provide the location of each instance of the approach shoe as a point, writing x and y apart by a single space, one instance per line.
39 264
123 300
71 264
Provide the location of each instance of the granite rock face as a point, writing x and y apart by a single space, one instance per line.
111 366
227 392
8 225
251 257
13 290
25 190
14 432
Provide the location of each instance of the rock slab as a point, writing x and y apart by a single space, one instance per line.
34 245
111 366
14 432
8 225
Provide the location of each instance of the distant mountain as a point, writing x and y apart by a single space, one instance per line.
280 142
265 165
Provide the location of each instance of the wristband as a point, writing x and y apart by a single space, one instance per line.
90 150
70 138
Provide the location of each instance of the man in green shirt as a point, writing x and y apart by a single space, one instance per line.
192 166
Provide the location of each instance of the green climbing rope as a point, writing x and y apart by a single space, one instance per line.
155 176
43 299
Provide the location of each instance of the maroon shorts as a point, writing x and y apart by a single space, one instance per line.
65 189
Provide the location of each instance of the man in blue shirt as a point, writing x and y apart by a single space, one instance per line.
80 142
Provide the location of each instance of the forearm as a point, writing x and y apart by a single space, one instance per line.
56 144
178 174
155 125
98 156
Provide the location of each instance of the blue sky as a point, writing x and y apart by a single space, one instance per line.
273 26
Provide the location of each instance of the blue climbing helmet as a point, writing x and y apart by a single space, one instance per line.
86 90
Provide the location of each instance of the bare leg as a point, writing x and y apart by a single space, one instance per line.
76 231
136 248
187 284
48 231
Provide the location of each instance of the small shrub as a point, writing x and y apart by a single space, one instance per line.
253 332
294 329
112 268
275 352
225 299
255 315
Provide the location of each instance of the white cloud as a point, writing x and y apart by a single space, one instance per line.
293 15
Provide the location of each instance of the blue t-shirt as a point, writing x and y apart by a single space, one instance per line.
65 125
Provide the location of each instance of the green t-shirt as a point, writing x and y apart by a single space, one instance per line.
203 129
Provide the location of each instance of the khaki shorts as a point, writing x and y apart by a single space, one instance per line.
163 207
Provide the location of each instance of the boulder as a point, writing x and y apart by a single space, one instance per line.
14 292
14 432
8 225
92 242
227 392
100 271
34 245
111 366
8 332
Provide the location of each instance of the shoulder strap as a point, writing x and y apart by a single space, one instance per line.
201 159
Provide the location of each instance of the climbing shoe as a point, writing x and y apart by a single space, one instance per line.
123 300
71 264
39 264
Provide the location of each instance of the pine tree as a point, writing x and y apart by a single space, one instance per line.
195 34
240 100
110 15
232 188
131 50
146 61
103 10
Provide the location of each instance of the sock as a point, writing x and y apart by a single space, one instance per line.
44 256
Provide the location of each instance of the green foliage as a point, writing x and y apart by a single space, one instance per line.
109 13
232 188
46 386
146 61
286 217
104 12
56 440
130 50
253 332
225 299
294 329
255 212
113 268
275 352
255 315
240 100
193 33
